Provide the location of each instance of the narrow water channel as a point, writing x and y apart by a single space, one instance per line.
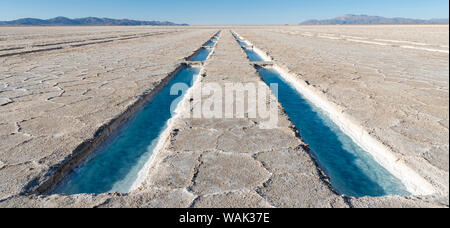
211 43
352 171
115 166
253 55
243 43
202 54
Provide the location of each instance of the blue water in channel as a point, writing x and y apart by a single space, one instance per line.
116 166
202 55
253 56
242 43
210 43
352 170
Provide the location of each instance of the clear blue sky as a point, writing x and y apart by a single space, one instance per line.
202 12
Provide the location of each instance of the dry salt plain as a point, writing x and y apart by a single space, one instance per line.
64 90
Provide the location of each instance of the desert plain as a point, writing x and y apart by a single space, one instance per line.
64 89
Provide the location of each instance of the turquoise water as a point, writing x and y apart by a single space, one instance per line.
352 170
242 43
253 56
202 55
210 43
115 167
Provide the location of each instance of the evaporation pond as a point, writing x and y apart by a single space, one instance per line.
253 56
202 54
242 43
116 165
210 44
352 170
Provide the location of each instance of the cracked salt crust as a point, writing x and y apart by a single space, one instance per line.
60 95
183 187
418 139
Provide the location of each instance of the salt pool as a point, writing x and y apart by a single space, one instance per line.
116 165
352 171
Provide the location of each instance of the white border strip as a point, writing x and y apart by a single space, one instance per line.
414 183
425 49
144 173
262 54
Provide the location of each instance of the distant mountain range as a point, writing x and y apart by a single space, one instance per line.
88 21
351 19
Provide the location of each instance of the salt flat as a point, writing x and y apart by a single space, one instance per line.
55 101
399 95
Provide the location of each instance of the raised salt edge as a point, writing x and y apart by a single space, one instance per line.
263 55
414 183
181 107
